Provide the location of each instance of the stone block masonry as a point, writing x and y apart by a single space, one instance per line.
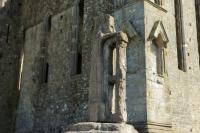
99 65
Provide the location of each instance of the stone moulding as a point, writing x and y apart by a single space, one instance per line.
149 127
158 29
128 28
91 127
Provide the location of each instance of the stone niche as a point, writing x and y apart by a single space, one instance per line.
107 92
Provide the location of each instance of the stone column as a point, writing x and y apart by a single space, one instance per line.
121 114
114 77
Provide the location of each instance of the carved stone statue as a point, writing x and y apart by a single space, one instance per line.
107 93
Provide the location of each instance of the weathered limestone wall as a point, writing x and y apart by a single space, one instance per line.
53 105
50 107
4 114
186 86
183 87
9 65
158 91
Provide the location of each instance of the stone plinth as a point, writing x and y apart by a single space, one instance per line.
91 127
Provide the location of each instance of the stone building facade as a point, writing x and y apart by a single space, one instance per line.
99 65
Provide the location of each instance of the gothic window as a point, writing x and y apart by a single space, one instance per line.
159 2
159 54
197 4
181 51
159 39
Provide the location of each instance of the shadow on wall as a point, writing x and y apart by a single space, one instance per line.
9 64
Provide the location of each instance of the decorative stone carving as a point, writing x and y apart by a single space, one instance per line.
91 127
107 91
129 29
108 77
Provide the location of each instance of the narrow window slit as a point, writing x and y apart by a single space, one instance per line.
8 33
46 73
49 23
79 63
76 46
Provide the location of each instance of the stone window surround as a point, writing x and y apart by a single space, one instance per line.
160 57
159 37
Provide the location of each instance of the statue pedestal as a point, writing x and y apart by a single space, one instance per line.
92 127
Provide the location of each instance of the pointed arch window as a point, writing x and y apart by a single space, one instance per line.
159 39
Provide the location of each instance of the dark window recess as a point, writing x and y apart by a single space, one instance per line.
80 21
181 50
61 17
24 35
79 49
76 48
197 4
49 23
79 64
81 12
159 2
46 73
8 33
19 4
159 52
1 55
